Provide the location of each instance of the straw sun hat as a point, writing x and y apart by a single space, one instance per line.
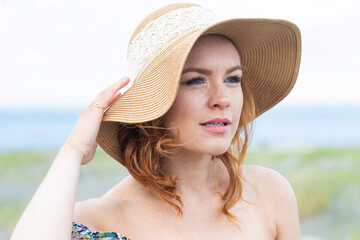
270 49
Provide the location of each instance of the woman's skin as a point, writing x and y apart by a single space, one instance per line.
50 212
209 89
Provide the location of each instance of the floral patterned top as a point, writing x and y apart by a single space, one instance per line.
80 231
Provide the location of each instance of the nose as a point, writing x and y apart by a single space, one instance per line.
219 98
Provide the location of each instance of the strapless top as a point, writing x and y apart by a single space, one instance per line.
80 231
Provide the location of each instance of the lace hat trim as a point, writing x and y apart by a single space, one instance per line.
162 32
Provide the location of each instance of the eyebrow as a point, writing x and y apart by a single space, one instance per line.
208 72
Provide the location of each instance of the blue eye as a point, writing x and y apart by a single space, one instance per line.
234 79
197 80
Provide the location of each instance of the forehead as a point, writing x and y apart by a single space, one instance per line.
214 49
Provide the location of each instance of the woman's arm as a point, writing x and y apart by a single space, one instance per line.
49 213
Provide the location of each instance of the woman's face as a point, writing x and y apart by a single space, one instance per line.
209 101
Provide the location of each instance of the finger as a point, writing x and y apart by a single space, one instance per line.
116 96
123 83
106 97
119 85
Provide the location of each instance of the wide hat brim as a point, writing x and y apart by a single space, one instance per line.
269 50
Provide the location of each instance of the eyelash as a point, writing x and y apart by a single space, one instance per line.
237 78
192 81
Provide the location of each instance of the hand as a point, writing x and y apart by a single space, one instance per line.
82 140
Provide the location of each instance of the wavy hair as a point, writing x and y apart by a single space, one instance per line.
144 147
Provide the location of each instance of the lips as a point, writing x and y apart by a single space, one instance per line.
217 122
217 125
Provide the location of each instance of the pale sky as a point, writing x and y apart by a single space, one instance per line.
61 53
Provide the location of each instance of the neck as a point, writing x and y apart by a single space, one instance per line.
195 174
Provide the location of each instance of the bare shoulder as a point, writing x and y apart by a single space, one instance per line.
92 212
270 185
277 195
102 213
267 179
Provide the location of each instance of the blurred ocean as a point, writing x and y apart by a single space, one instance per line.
283 126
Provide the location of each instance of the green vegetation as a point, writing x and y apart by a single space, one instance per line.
326 183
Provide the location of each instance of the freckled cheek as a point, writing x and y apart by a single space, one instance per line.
182 110
187 110
187 113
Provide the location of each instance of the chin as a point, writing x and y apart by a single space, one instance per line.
209 146
219 152
216 150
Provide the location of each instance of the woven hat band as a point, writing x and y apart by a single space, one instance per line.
162 32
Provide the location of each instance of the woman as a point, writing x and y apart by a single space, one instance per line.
182 131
